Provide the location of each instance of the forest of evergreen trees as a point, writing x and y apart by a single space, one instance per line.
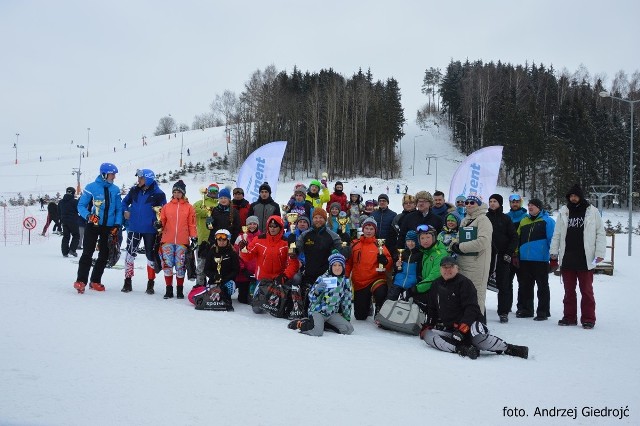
555 128
343 126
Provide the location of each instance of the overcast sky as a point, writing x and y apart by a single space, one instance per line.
118 66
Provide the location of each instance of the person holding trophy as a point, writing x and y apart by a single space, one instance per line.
203 210
248 266
104 217
367 266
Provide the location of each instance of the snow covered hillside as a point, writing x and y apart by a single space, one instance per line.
114 358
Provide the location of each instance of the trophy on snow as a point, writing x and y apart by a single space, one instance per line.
380 242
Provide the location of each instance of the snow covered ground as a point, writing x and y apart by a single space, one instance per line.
114 358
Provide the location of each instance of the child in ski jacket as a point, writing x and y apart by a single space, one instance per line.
449 233
411 263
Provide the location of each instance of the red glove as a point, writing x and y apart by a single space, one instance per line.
515 261
553 265
93 219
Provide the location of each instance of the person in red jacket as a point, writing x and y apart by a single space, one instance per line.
247 266
178 224
362 267
338 196
271 253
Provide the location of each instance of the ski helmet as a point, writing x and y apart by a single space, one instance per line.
147 174
106 168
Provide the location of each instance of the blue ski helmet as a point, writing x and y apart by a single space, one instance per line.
147 174
106 168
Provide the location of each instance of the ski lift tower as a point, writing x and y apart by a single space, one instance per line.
602 191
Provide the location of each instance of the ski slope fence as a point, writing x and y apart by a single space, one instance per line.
13 230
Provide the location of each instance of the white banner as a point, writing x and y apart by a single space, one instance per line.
478 174
262 165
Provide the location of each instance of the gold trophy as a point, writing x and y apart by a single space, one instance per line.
244 237
157 210
291 218
325 176
292 248
343 221
380 242
203 191
400 259
218 261
96 207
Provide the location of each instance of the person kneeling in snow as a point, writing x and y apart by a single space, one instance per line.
330 301
221 267
454 321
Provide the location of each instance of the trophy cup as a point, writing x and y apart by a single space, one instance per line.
400 258
94 218
244 237
342 221
292 249
380 242
325 176
218 261
291 218
157 210
203 191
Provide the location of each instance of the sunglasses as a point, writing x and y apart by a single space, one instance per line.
238 193
425 228
469 203
460 202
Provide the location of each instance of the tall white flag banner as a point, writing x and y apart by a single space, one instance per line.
262 165
478 174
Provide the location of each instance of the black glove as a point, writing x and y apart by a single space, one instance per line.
157 224
460 332
281 279
455 247
458 336
344 237
193 244
382 259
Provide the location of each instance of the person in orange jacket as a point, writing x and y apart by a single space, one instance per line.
362 268
178 224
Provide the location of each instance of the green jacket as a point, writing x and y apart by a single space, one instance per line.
431 265
201 217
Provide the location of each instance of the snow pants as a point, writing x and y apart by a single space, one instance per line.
479 337
336 321
584 279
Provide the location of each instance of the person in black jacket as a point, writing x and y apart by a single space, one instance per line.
503 247
68 212
222 266
264 207
421 216
52 216
223 216
454 320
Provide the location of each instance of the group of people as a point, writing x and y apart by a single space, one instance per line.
342 256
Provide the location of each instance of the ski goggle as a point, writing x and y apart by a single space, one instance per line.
212 188
139 173
514 197
221 237
425 228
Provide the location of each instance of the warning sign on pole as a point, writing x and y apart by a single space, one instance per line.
29 223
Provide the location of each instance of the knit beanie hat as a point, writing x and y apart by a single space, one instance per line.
383 197
536 202
498 198
71 190
319 211
253 219
338 183
336 257
369 221
453 217
224 192
576 190
371 203
180 186
412 235
316 182
265 187
304 219
475 197
300 188
336 205
461 198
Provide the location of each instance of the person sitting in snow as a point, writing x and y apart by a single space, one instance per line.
330 302
454 320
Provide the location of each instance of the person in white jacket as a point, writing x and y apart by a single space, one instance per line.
578 244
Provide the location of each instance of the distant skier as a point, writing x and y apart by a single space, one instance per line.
398 189
364 188
370 189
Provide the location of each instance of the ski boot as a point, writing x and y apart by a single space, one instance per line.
169 292
79 285
469 351
179 292
127 285
96 287
150 287
519 351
